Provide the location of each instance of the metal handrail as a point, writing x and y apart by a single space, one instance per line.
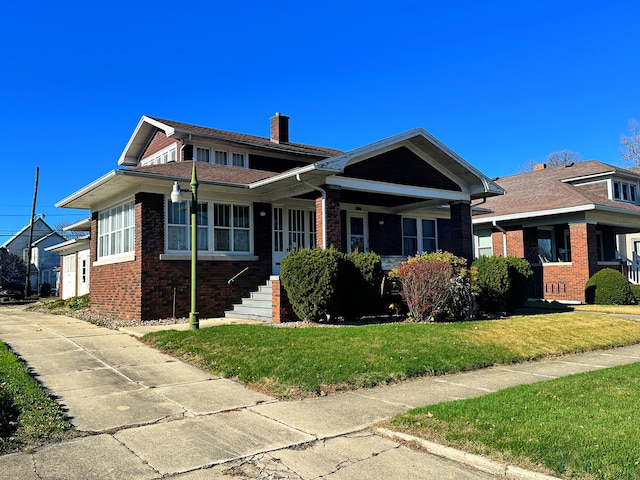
233 279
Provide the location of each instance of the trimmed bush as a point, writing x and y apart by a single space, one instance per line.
323 284
425 287
311 278
363 282
608 287
635 291
502 282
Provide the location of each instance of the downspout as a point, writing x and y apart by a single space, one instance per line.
504 238
184 144
324 200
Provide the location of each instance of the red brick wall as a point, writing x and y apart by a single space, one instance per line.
280 306
454 235
334 218
144 289
115 288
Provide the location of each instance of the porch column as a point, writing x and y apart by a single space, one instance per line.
332 221
461 236
584 257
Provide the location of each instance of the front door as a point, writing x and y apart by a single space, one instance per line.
293 229
357 232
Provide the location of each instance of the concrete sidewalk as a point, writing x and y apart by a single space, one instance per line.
150 416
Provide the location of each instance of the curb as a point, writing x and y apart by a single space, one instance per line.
483 464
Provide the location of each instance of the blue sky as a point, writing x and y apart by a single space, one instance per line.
499 82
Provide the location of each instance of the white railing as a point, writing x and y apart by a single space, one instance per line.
631 265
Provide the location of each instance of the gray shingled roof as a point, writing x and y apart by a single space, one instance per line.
547 189
209 172
248 139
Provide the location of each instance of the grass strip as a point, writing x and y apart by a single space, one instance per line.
28 416
581 427
295 362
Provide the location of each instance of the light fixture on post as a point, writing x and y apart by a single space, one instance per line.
176 197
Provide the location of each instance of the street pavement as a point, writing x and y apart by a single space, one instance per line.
146 415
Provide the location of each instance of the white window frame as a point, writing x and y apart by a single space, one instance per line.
482 235
166 155
209 229
420 234
365 230
200 152
624 191
116 227
220 156
203 228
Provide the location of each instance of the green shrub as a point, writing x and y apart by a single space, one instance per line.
76 303
635 291
311 278
502 282
363 283
608 287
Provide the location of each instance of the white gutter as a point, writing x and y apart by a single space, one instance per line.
324 208
538 213
282 176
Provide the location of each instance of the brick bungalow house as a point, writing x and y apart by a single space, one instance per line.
567 221
259 198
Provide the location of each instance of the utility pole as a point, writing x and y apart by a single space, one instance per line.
27 282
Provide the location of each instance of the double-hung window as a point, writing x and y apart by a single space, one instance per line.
179 226
625 192
418 235
231 228
203 155
222 227
116 230
220 157
484 243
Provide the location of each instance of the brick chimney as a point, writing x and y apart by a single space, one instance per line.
539 166
279 128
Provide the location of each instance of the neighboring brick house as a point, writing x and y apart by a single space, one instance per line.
567 221
260 198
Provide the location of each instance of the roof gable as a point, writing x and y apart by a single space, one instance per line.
148 126
400 166
40 229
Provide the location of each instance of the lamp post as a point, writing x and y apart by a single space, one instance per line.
176 197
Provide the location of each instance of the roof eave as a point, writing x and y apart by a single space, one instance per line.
534 214
135 145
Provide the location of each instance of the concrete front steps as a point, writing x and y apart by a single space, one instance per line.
255 307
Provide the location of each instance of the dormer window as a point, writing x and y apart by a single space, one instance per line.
165 155
624 192
221 157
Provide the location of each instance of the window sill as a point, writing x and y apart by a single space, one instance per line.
208 257
552 264
127 257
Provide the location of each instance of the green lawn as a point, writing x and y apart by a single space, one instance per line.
582 427
28 416
297 362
